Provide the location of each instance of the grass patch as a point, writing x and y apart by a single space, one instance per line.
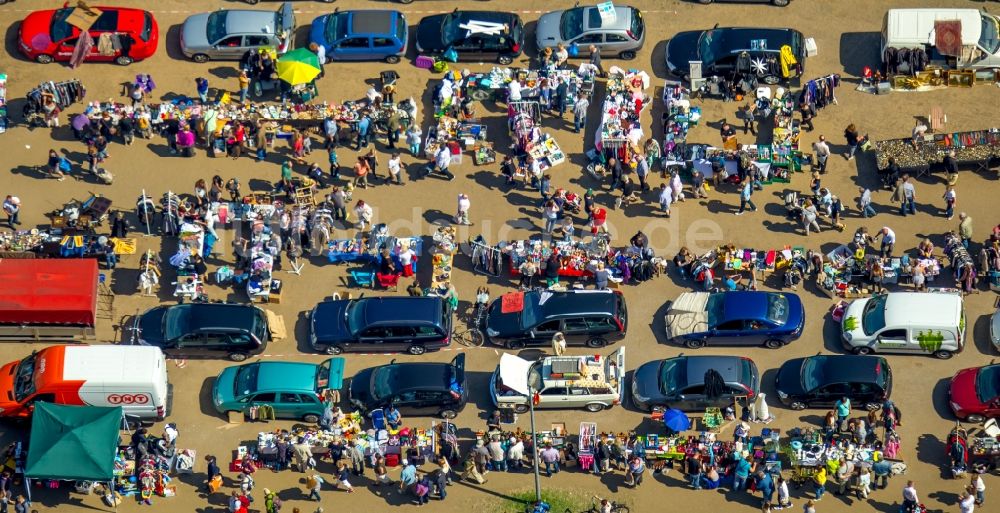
559 500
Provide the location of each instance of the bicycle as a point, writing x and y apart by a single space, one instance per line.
595 506
473 335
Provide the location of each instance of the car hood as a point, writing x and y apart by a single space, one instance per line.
151 326
7 402
681 49
789 377
317 32
430 37
328 321
963 390
224 387
646 380
36 25
502 324
194 32
361 388
853 316
547 29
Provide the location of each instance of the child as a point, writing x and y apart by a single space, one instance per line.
334 164
413 139
949 201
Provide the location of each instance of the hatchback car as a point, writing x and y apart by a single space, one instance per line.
364 35
46 36
381 324
820 381
586 317
770 319
227 34
201 330
294 390
473 35
723 51
974 394
680 382
619 36
415 388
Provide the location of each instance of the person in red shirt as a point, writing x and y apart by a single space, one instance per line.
240 140
598 220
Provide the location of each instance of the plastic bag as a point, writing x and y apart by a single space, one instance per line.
440 66
450 55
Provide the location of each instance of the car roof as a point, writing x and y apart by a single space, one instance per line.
487 16
903 308
577 302
728 366
246 21
372 21
622 21
216 315
401 309
419 375
745 305
734 39
286 376
916 26
849 368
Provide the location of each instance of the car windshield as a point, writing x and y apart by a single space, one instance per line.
355 317
60 29
673 375
812 372
450 30
777 308
532 311
24 380
708 45
571 23
385 381
216 26
873 317
988 383
246 380
990 38
176 322
336 26
715 309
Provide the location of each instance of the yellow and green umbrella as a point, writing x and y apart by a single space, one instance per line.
299 66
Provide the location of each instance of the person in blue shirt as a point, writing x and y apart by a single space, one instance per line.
364 132
541 507
393 418
201 84
740 474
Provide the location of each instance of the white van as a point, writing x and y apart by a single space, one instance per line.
914 28
133 377
906 322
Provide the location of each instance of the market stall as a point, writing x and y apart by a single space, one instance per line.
620 133
978 149
678 117
574 256
442 260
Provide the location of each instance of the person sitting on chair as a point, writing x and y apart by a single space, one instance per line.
393 418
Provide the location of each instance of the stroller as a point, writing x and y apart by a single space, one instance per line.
793 205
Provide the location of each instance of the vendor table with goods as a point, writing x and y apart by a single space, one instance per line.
978 149
442 260
784 148
620 133
494 84
575 257
699 157
678 117
455 133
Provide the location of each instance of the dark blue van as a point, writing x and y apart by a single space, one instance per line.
363 35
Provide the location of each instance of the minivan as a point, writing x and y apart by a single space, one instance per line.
593 318
293 390
907 323
362 35
381 324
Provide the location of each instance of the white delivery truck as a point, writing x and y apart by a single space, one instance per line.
973 37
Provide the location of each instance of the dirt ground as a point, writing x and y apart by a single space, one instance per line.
847 37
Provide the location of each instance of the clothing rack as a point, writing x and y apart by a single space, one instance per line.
65 93
485 258
821 91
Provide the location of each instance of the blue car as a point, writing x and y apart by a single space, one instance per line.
770 319
363 35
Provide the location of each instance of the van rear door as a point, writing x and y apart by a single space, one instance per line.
330 375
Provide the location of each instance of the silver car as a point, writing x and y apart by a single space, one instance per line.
567 381
227 34
620 35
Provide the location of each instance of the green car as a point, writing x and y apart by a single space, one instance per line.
293 389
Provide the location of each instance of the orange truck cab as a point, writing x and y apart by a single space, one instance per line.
133 377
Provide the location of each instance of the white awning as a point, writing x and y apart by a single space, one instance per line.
514 373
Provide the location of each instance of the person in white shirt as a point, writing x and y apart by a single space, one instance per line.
364 213
966 502
865 203
442 159
784 501
822 150
979 487
666 198
910 499
514 91
395 166
888 242
406 261
462 216
373 96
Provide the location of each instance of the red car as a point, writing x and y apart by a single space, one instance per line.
975 393
46 36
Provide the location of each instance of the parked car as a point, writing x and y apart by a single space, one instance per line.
566 381
680 382
593 318
820 381
294 390
363 35
905 323
995 329
227 34
974 394
46 36
473 35
771 319
415 388
779 3
621 36
719 50
198 330
381 324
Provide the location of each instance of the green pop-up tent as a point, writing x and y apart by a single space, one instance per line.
73 443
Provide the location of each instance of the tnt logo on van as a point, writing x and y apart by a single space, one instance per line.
128 398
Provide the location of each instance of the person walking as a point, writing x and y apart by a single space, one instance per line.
966 502
910 498
965 229
843 409
909 194
822 151
442 159
949 201
666 199
745 192
865 203
784 499
809 216
361 171
381 472
357 454
12 207
441 482
558 343
395 166
372 159
244 81
741 472
314 483
550 213
749 118
580 107
595 60
979 487
853 141
864 479
344 475
364 213
364 132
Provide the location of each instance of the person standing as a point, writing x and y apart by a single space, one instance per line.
580 107
528 270
853 139
395 166
809 507
558 343
822 151
314 483
413 135
727 132
244 85
666 199
201 86
819 483
843 409
636 468
12 207
966 502
441 480
910 498
888 242
693 468
784 499
949 201
595 60
882 470
809 216
749 118
364 129
808 111
552 267
364 213
407 476
741 472
550 213
462 214
442 160
965 229
357 454
909 194
977 485
394 128
642 170
361 170
550 458
745 192
344 475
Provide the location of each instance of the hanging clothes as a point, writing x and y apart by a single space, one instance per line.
788 61
83 46
105 46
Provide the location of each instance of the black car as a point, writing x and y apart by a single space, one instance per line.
754 52
680 382
586 317
820 381
779 3
383 324
473 35
415 388
202 330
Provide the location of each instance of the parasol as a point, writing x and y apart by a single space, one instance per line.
676 420
299 66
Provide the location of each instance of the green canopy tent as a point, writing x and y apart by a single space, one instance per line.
72 443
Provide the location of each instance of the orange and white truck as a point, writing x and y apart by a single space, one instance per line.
133 377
